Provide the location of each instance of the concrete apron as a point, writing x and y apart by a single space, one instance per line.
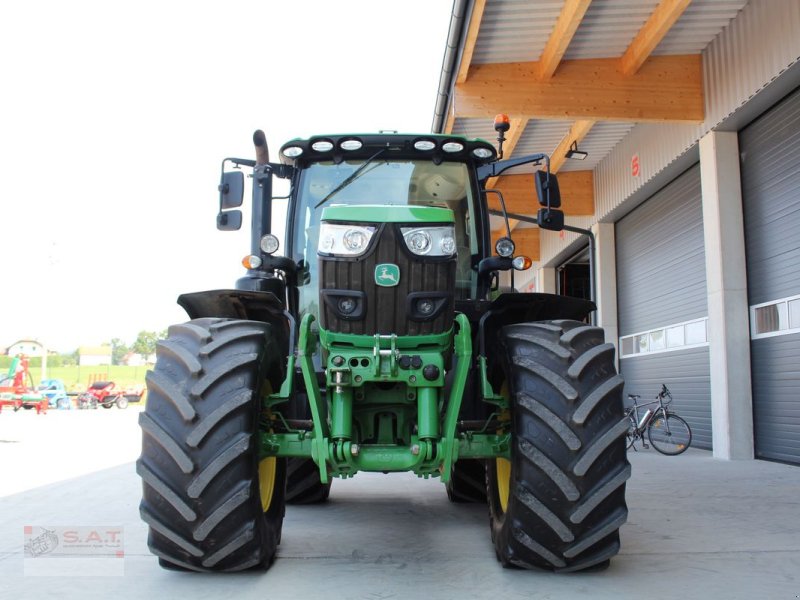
698 528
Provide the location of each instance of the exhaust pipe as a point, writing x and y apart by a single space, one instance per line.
262 152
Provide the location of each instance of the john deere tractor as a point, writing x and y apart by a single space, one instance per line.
380 340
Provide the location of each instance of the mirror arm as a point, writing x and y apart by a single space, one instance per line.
499 167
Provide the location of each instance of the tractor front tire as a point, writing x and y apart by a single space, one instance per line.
211 504
559 502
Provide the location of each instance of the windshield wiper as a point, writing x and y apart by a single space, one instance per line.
350 178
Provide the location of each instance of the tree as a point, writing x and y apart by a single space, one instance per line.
145 343
118 351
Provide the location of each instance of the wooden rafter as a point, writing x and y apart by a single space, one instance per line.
565 28
666 88
650 35
469 42
450 121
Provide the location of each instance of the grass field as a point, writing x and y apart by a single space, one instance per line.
77 378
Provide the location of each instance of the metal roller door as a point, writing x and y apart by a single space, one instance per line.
770 166
662 301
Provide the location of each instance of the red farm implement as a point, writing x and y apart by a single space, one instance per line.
17 390
105 394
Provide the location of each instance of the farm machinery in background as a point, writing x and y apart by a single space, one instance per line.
17 389
106 394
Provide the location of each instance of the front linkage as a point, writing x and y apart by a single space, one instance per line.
356 363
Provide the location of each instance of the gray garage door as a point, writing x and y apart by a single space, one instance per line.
662 301
770 153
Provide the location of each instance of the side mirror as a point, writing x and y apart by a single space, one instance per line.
547 189
231 190
230 220
551 219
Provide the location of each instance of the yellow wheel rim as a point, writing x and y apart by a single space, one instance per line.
266 480
503 470
503 465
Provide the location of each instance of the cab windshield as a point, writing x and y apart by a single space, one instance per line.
388 182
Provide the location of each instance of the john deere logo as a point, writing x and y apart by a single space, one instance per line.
387 275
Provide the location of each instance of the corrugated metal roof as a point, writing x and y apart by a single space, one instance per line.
475 128
517 30
598 143
544 136
608 28
699 24
541 136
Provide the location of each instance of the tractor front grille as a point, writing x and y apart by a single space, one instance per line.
350 282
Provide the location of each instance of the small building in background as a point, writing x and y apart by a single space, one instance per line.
132 359
26 347
94 356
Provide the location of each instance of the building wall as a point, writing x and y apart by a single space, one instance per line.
741 70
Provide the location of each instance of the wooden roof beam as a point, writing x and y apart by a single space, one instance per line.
565 28
666 88
650 35
469 42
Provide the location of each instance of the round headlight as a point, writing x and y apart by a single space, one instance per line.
322 146
419 242
453 147
447 245
269 244
355 240
351 145
504 246
292 151
483 153
424 145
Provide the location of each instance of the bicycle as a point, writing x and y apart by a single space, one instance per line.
667 432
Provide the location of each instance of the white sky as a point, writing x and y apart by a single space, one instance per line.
114 119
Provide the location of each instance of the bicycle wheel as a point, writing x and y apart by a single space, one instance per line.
630 436
670 435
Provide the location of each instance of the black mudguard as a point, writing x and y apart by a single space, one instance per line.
241 304
492 315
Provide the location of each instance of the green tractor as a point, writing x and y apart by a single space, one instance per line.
381 341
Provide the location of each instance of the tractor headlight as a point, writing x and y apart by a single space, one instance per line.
504 247
269 244
344 240
430 241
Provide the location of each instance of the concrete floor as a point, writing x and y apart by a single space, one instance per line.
698 528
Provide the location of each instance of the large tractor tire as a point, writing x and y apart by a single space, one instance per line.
209 501
559 502
467 482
